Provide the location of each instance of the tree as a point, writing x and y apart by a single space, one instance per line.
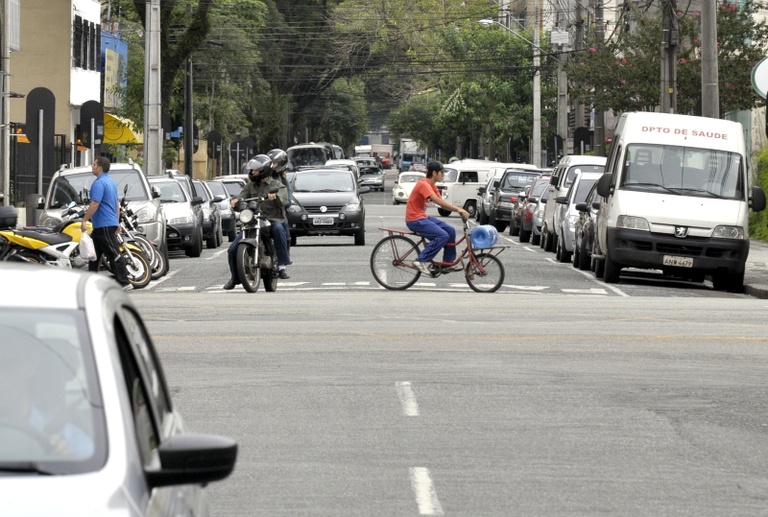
623 74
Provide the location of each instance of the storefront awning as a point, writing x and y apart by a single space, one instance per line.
117 130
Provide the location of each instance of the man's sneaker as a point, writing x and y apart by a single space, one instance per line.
421 266
128 287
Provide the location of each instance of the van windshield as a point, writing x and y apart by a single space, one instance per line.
683 170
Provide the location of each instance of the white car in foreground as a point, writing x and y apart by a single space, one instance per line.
404 185
87 424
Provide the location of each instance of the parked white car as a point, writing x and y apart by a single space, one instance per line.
404 186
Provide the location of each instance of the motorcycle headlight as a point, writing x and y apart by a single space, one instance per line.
633 223
728 232
246 216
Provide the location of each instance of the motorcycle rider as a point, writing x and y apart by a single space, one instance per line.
279 164
260 184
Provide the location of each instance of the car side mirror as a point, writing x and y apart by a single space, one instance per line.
155 192
363 190
758 199
581 207
219 198
604 185
187 459
197 200
481 190
40 201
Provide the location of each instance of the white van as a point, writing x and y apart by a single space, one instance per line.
561 180
677 198
460 183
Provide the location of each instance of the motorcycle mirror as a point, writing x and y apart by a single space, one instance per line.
274 190
71 204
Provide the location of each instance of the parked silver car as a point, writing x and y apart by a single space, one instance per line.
69 185
87 424
185 217
569 215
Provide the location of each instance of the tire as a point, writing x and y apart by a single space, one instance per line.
269 276
485 273
565 255
139 271
584 257
247 267
599 268
514 230
471 208
548 241
482 218
160 269
360 237
293 240
196 249
536 239
575 257
730 282
524 236
391 262
443 212
610 270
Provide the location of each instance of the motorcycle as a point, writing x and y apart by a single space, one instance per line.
158 260
256 251
60 246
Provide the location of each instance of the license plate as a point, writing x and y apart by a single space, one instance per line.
671 260
322 221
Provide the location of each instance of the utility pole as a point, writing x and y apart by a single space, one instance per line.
562 95
669 40
536 137
710 94
153 127
189 123
599 134
5 139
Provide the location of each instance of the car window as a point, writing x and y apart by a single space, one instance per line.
582 189
410 178
201 190
517 180
370 170
170 191
145 381
49 392
580 168
307 156
73 187
539 187
234 187
319 182
450 175
217 188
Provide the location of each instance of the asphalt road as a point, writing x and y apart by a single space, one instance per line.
456 403
557 395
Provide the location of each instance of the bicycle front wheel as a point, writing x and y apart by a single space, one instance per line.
391 262
485 273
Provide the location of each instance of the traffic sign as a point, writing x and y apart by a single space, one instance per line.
760 77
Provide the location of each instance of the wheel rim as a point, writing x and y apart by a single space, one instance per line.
485 274
390 263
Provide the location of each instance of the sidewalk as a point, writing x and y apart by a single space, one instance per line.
756 273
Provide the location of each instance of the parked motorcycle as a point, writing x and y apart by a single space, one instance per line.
256 251
158 260
60 246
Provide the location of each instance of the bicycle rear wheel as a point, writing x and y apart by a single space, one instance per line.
485 274
391 262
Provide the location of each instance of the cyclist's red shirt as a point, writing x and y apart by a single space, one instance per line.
416 208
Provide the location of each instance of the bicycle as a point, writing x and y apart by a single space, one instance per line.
392 262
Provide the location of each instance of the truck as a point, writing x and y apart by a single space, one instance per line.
410 152
677 198
383 152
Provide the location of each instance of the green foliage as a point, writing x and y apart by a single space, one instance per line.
758 221
623 74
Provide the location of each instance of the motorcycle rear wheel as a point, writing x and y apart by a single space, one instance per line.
248 267
25 256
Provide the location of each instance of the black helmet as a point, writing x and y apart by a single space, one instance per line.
279 159
259 167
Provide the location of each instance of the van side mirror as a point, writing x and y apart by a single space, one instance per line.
554 181
758 199
604 185
481 190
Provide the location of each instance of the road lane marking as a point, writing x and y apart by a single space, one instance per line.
155 283
593 290
407 398
424 489
592 277
216 254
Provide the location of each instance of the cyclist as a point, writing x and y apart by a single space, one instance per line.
261 181
437 232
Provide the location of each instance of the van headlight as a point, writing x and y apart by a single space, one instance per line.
632 223
728 232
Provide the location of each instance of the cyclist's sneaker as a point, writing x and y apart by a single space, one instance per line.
422 266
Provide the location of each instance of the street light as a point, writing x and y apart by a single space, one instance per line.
536 137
